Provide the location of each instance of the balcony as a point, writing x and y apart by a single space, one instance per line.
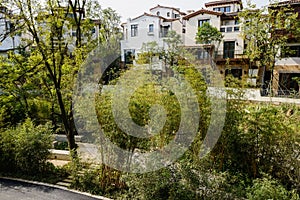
229 54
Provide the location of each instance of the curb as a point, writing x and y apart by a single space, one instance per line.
56 187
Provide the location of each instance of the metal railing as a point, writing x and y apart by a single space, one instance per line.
229 54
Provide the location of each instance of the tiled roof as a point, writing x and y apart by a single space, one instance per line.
170 20
222 2
202 11
176 9
286 2
147 14
232 15
150 15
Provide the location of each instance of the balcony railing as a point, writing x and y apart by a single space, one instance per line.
231 54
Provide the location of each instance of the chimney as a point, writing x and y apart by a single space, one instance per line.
190 11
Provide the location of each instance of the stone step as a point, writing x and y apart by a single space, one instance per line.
64 184
67 180
59 155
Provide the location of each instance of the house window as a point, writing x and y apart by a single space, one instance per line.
202 54
151 28
176 16
227 9
223 9
229 29
236 29
129 56
287 81
164 31
134 30
158 13
226 23
168 14
229 49
202 21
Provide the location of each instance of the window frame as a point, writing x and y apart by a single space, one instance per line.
151 28
202 21
134 30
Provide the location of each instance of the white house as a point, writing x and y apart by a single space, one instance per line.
149 27
223 15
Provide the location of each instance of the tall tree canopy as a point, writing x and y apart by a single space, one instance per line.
207 34
57 37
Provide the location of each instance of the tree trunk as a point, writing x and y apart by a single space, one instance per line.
67 123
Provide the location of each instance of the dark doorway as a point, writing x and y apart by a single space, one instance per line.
236 73
288 83
229 49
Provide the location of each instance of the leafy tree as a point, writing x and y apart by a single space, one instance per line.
54 55
207 34
266 33
149 50
174 48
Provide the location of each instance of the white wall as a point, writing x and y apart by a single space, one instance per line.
143 35
163 12
233 36
191 28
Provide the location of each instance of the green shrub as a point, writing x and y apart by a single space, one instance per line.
7 158
25 148
95 179
177 181
267 188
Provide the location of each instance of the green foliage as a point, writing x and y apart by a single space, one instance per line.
144 97
233 82
149 50
207 34
266 33
95 179
25 148
175 50
182 180
144 58
42 78
267 188
260 139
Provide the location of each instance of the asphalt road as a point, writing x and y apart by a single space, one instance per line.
16 190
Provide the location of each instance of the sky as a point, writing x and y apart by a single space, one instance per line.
134 8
